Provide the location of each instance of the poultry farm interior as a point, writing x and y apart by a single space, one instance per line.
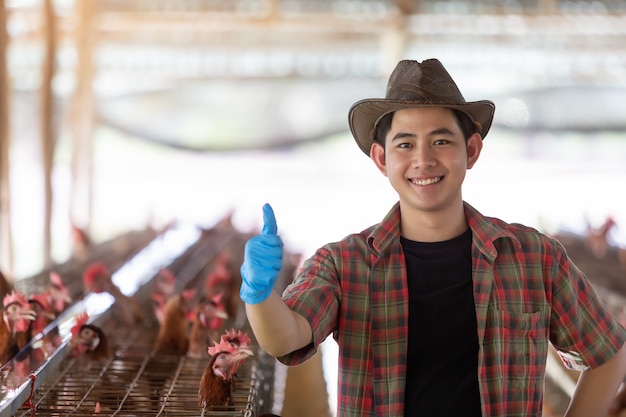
550 66
137 377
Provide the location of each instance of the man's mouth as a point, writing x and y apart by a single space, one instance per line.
426 181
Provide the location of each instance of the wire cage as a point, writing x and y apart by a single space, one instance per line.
135 379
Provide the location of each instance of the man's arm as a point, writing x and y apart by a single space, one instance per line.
278 329
596 388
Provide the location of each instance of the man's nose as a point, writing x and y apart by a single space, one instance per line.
423 156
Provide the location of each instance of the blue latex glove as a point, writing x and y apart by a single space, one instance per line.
263 258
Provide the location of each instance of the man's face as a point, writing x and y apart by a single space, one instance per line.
426 157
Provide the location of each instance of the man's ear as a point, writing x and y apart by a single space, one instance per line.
377 153
474 146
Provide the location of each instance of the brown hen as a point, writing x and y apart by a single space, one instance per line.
173 336
16 316
208 318
218 381
97 279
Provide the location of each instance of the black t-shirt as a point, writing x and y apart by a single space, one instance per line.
442 356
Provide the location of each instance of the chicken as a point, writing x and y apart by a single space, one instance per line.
158 306
16 315
59 294
208 319
44 316
88 343
6 286
173 336
81 243
87 348
162 289
596 240
236 339
165 282
222 279
97 279
217 384
220 274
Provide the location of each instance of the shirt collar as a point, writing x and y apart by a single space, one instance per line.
385 233
485 230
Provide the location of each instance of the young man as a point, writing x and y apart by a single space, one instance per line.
437 310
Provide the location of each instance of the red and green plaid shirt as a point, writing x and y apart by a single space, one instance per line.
526 291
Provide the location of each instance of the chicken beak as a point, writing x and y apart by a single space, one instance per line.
25 317
244 353
94 343
28 314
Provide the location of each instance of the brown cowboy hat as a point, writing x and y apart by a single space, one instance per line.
415 84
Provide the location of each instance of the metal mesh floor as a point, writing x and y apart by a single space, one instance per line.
137 382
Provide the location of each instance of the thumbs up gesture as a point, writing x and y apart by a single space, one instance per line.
263 258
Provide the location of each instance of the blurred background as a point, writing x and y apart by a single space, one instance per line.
118 115
126 114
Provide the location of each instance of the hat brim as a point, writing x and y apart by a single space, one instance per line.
364 115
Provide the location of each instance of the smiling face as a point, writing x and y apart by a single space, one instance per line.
425 158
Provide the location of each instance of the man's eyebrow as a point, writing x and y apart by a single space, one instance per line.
436 132
401 135
441 131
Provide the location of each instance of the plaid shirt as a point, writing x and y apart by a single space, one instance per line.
526 291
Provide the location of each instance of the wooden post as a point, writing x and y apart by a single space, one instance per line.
6 244
48 138
82 120
393 42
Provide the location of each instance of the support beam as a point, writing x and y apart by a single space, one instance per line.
394 40
48 138
82 120
6 242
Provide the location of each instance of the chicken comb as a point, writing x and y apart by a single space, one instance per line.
236 338
56 280
222 346
81 320
15 297
217 298
221 264
167 275
94 270
42 299
220 275
189 293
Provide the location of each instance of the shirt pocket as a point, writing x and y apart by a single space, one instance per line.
516 347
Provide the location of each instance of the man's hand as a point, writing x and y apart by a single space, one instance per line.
263 258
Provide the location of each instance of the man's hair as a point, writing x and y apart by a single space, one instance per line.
468 127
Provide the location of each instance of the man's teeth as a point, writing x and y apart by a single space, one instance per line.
426 181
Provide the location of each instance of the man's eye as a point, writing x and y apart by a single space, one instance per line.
441 142
404 145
